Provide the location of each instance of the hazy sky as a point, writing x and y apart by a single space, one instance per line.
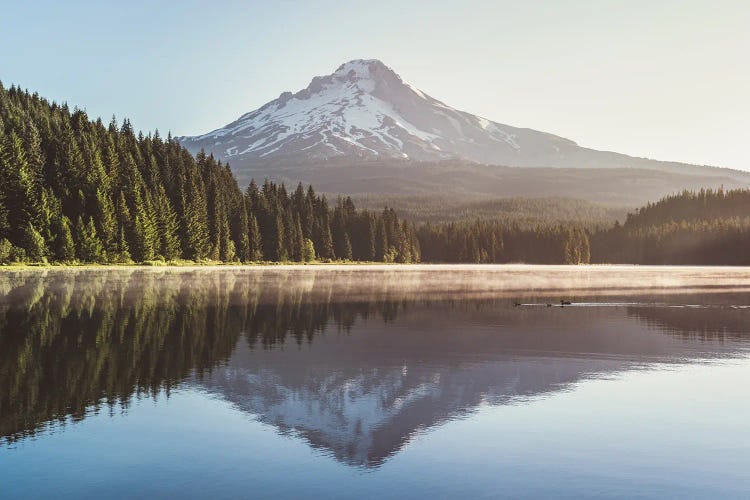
664 79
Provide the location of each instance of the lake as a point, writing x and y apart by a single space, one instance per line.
375 382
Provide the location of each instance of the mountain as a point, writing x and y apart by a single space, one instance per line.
366 112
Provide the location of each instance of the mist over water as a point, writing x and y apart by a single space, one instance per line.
372 380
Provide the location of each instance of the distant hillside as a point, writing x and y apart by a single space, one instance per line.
522 211
705 227
705 205
471 181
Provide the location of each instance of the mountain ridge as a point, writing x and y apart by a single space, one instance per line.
364 110
363 129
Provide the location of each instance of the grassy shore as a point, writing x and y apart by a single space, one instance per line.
178 263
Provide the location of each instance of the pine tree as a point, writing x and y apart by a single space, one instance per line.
6 251
381 242
20 196
34 155
326 239
3 217
89 246
278 250
196 222
256 243
33 244
298 239
106 221
347 250
167 227
308 252
64 249
241 231
121 252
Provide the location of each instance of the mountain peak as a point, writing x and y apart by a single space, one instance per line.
362 68
364 110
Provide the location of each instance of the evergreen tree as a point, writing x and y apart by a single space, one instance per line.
242 232
33 244
255 241
167 227
89 248
298 242
19 193
62 246
121 252
308 252
106 221
196 222
381 242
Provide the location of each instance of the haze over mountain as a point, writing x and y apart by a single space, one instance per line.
366 114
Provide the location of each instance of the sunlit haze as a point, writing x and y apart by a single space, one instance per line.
666 80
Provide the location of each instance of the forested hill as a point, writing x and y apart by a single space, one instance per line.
709 227
691 206
75 189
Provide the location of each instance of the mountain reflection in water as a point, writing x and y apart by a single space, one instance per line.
354 362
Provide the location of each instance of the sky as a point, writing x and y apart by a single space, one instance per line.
663 79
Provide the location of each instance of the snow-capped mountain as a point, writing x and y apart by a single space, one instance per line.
365 110
355 130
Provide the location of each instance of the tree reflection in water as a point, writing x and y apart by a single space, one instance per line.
354 363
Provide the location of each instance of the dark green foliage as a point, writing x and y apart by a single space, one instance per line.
255 241
308 252
33 243
708 227
6 251
484 241
167 227
524 212
89 247
241 232
62 246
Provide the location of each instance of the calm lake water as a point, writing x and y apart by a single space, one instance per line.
365 382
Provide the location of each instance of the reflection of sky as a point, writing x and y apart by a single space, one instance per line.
679 429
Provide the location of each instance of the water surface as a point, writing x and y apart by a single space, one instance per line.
375 382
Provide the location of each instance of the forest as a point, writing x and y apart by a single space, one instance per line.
708 227
77 190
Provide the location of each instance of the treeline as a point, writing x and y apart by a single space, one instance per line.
708 227
75 189
483 241
524 212
300 226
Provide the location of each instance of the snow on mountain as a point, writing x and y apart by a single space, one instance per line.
353 131
365 110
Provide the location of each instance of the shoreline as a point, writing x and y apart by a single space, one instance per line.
361 265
